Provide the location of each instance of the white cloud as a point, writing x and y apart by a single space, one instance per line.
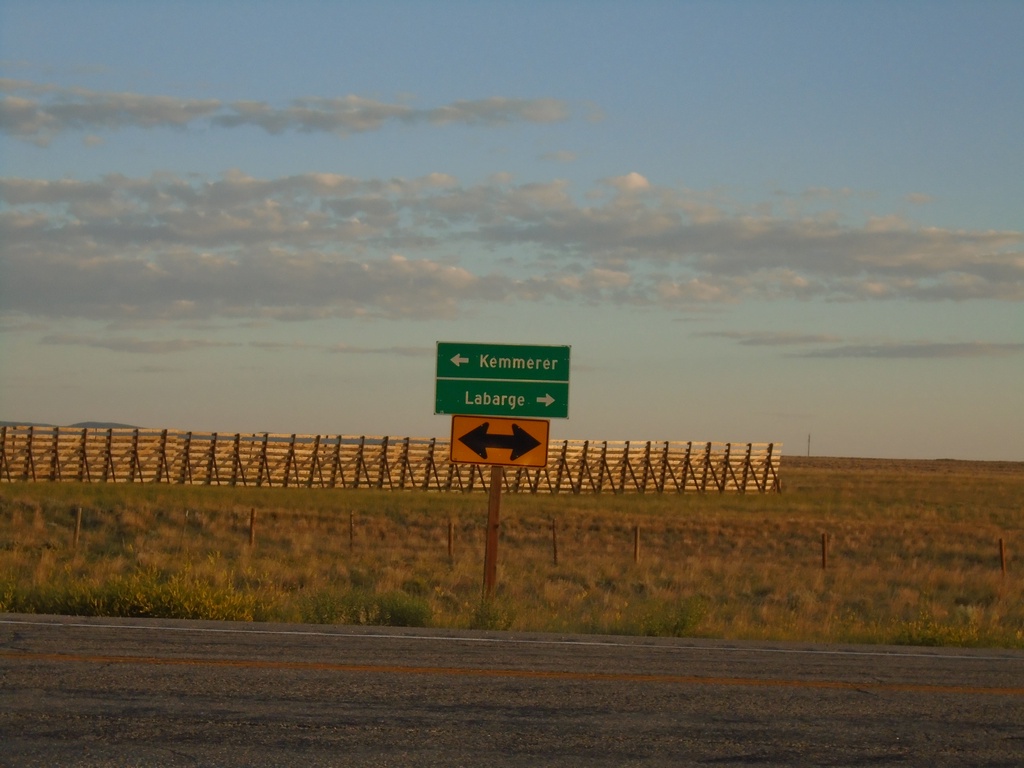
920 350
560 156
350 349
493 111
631 182
831 346
771 338
320 245
133 344
39 112
49 110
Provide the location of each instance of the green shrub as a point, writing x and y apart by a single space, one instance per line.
322 607
492 613
362 607
926 630
664 618
141 594
397 609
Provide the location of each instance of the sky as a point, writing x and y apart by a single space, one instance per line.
789 222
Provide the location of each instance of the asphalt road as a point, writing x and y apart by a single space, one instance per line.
90 692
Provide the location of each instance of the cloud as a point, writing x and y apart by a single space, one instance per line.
49 110
342 348
771 338
919 350
883 350
631 182
153 369
329 245
494 111
277 346
134 345
39 112
560 156
349 349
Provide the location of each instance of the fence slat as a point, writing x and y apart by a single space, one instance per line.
322 461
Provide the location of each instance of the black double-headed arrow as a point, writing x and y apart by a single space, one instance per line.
478 440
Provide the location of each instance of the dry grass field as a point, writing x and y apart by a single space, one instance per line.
912 556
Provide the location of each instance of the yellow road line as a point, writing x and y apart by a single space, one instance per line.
534 674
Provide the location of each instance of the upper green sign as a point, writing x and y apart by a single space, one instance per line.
502 380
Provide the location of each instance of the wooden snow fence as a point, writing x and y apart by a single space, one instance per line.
54 454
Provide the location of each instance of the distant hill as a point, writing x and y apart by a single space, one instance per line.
102 425
79 425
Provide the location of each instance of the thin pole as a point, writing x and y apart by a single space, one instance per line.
636 543
554 542
78 527
351 530
252 527
824 551
493 522
451 540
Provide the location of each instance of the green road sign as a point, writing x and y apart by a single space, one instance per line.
502 380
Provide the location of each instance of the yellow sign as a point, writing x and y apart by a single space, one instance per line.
499 440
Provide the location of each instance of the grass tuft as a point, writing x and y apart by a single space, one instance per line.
362 607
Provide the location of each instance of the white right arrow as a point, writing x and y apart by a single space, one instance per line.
547 399
459 359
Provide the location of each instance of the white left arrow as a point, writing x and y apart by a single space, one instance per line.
547 399
459 359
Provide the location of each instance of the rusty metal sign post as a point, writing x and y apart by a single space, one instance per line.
499 442
493 524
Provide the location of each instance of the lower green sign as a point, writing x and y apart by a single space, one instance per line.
544 399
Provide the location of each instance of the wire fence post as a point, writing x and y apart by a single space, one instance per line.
554 542
78 528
